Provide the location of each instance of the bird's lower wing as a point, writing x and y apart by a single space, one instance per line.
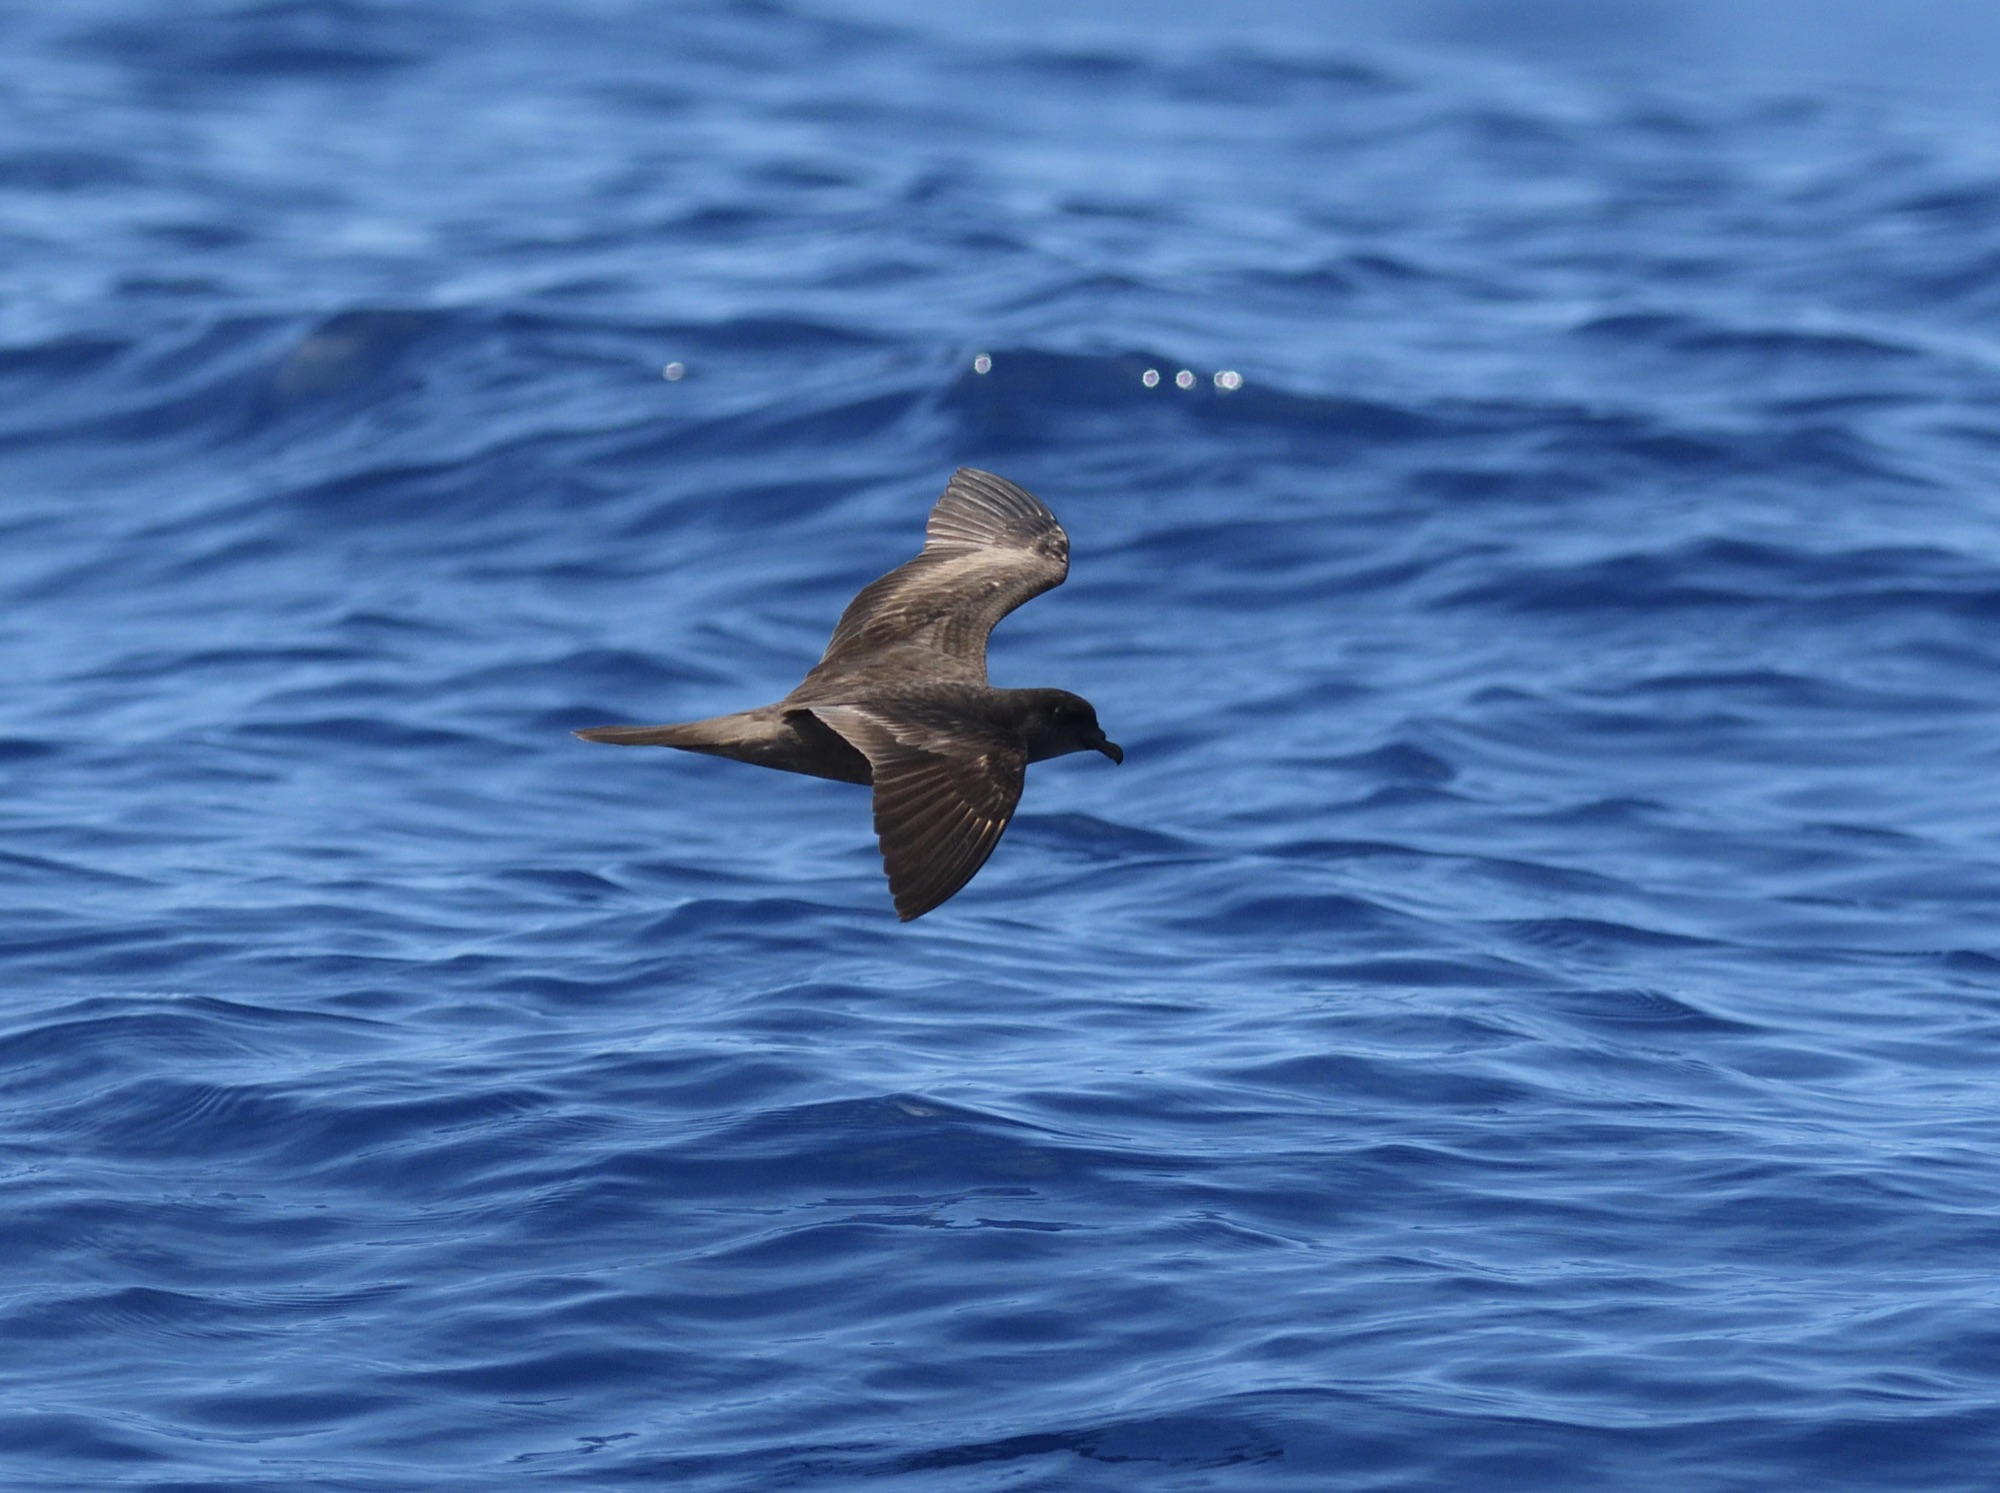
938 813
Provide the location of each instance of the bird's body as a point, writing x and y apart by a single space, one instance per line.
900 699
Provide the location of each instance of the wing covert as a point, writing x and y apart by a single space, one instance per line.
989 546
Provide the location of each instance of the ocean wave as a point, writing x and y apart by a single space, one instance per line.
1518 1016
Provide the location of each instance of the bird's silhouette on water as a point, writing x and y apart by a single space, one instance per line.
900 698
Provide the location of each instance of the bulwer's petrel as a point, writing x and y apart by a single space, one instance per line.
900 699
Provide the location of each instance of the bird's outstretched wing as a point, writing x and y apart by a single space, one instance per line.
942 799
989 547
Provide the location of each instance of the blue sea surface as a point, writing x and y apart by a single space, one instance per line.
1526 1014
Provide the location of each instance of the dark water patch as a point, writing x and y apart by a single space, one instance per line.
351 732
1191 1441
1594 935
1691 335
1420 973
1971 204
253 661
1398 761
1318 851
69 1439
1095 838
1622 1009
617 672
37 363
154 1313
284 39
32 868
1352 1078
900 1140
286 1124
133 1026
1293 916
1730 573
1243 76
63 170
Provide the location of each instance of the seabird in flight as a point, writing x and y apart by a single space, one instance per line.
900 699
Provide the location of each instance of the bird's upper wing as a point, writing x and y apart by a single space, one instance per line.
989 547
943 795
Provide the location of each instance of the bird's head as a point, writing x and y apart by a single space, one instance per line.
1060 723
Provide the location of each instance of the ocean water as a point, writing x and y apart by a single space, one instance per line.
1524 1016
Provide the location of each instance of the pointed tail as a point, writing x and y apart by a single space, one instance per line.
680 736
788 740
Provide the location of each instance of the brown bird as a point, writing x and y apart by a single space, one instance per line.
900 698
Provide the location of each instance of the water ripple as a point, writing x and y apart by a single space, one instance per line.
1520 1017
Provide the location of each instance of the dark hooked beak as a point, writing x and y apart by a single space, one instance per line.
1111 748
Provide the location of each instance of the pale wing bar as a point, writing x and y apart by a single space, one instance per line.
990 546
